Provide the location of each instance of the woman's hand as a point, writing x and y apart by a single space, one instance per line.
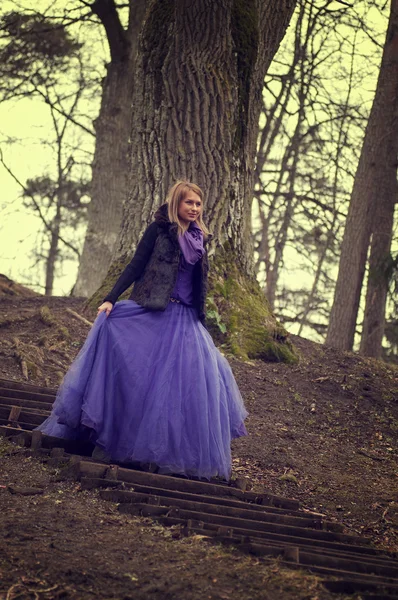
105 307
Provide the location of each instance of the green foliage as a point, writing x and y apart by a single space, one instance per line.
46 316
213 314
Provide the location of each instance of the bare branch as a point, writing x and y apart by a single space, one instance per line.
106 11
61 111
36 205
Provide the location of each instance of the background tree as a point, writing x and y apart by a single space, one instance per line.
59 202
111 162
40 45
40 60
197 102
312 125
389 351
33 49
36 54
62 208
315 107
371 205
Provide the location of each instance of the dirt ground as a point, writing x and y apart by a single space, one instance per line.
323 431
68 543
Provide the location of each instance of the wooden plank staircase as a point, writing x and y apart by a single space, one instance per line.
262 524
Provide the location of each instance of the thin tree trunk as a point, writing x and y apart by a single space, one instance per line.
274 119
289 207
303 32
331 232
378 279
59 198
372 183
53 250
263 250
111 163
197 104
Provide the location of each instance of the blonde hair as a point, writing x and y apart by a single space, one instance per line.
173 199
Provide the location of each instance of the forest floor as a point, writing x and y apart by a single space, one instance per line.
322 431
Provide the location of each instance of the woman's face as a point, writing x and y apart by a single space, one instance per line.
189 208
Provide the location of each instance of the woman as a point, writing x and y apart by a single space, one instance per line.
149 385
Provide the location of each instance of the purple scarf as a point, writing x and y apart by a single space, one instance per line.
191 244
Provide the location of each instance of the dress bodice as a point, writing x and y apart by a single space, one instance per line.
191 244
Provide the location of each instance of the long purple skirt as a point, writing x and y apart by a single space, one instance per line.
150 386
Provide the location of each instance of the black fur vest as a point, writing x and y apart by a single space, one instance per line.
154 268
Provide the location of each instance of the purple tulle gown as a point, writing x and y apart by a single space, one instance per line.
150 386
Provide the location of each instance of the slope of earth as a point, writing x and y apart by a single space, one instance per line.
68 543
323 431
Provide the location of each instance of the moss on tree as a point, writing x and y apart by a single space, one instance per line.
111 277
238 314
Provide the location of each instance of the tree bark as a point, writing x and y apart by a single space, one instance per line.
198 98
111 162
373 183
378 279
200 77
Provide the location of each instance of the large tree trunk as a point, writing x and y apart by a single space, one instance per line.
379 263
377 166
111 163
198 98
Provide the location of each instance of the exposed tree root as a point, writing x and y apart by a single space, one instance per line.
30 358
79 317
24 369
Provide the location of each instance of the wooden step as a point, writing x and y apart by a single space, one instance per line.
207 506
32 411
24 395
28 404
92 483
373 566
259 538
20 425
378 591
247 527
28 387
90 469
80 447
256 546
25 416
367 572
377 559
